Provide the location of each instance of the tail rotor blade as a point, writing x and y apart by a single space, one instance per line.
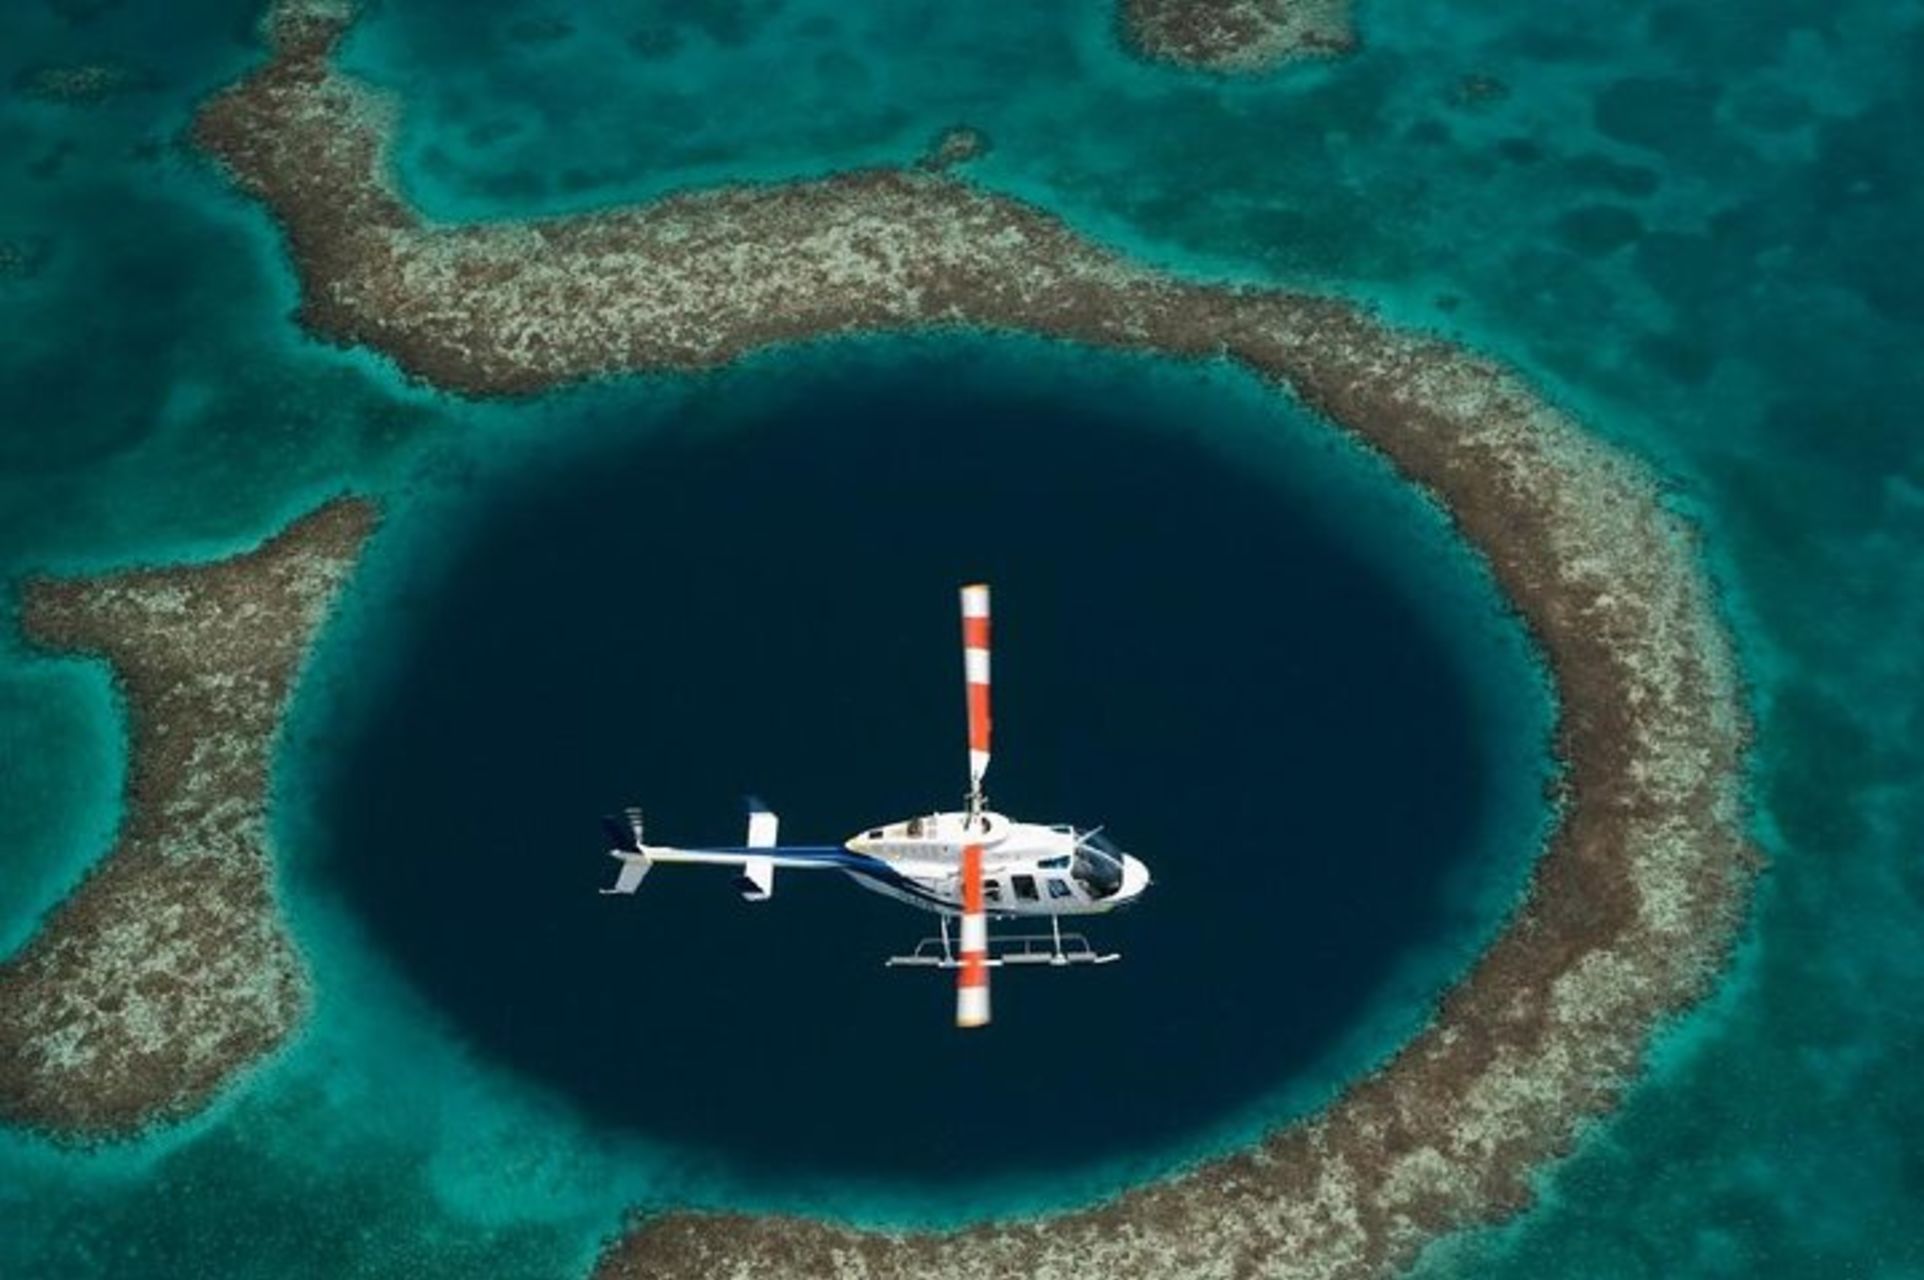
975 669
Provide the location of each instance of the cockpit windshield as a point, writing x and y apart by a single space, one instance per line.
1098 866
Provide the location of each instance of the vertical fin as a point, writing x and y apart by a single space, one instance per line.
763 825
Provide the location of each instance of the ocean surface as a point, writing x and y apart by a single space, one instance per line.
1694 226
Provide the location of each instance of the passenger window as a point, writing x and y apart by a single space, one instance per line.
1059 888
991 891
1024 887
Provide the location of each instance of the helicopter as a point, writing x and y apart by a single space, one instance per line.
973 864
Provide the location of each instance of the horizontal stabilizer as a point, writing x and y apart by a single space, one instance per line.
633 867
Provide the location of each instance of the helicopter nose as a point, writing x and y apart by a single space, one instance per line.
1135 876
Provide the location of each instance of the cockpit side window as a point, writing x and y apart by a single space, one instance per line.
1024 887
1059 888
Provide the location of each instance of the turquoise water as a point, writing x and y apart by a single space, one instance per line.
1692 226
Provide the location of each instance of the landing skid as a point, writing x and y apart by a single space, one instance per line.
1052 948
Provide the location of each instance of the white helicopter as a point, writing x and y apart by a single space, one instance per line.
973 864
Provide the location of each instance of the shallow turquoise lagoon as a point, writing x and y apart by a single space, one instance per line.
1693 227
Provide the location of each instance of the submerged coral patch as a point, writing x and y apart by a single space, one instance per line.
1238 36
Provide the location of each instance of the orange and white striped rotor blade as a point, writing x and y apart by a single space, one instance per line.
975 669
972 978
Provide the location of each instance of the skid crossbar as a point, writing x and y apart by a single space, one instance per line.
1054 948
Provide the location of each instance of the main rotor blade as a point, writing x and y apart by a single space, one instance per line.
975 670
972 979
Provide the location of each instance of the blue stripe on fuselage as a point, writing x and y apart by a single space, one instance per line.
783 850
860 864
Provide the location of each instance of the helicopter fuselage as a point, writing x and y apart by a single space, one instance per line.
1028 868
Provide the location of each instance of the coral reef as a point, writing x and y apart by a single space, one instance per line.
1235 36
957 145
24 257
83 84
168 968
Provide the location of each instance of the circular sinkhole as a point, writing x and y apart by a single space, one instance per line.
1203 647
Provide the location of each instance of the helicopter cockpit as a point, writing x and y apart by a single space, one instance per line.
1097 865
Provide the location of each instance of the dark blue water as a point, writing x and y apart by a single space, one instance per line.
1183 652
